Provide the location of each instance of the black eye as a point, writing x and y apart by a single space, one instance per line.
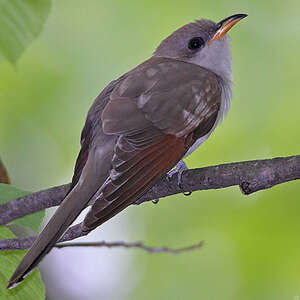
196 43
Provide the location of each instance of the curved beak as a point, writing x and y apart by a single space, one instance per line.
225 25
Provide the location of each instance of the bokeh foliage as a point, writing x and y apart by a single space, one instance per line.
252 243
20 23
33 289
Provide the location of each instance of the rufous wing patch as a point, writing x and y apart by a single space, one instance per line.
132 177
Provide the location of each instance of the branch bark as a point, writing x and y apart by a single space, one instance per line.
138 245
20 244
250 176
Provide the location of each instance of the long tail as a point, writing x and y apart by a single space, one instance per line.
64 216
93 175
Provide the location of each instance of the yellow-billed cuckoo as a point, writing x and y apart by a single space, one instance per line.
141 125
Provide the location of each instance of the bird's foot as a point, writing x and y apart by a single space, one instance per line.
179 169
155 201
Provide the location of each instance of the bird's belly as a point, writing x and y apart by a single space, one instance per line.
197 144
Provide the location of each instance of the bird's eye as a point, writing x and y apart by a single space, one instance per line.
196 43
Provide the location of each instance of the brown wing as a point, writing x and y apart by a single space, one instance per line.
134 171
90 127
86 137
155 117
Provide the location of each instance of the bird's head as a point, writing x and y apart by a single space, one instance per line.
202 42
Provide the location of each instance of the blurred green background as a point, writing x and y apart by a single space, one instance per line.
252 243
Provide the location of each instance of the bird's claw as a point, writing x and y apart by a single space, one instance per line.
179 169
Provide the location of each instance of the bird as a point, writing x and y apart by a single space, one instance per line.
141 126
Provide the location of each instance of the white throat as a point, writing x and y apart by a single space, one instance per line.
217 58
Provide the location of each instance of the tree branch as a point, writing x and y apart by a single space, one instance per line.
24 243
29 204
138 245
251 176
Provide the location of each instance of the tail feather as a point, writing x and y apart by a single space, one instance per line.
93 175
64 216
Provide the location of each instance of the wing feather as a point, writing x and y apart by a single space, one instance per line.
154 118
126 185
92 124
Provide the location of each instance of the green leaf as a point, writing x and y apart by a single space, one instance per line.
32 221
21 21
31 289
